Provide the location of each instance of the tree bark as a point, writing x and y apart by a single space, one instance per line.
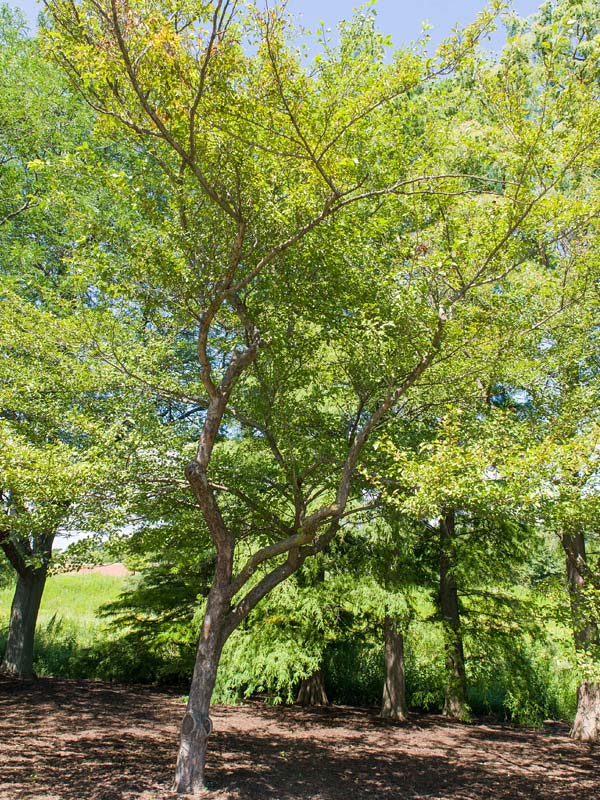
196 725
393 705
312 690
18 656
586 727
585 630
455 701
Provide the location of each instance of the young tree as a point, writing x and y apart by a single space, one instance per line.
561 472
446 481
383 572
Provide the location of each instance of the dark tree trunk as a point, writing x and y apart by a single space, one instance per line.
394 705
586 727
196 725
312 691
18 656
585 631
455 701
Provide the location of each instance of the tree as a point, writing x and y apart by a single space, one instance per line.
445 481
382 572
66 425
561 474
279 257
41 473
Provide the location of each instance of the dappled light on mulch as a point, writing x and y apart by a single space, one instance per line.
77 740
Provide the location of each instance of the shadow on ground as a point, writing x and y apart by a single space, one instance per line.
77 740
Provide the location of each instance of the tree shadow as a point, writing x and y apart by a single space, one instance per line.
78 740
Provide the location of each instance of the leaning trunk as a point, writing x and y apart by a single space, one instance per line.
394 689
455 701
196 725
586 727
18 656
312 690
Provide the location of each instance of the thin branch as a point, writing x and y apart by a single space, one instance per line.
27 204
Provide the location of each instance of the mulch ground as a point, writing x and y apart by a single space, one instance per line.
77 740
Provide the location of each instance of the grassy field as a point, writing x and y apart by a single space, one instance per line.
71 603
74 641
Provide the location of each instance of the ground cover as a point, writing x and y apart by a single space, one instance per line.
72 598
78 740
69 629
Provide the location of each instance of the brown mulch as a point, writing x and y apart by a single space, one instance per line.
77 740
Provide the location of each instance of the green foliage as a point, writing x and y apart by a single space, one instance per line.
522 679
407 271
353 672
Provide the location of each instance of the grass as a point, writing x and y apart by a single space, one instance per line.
71 639
72 601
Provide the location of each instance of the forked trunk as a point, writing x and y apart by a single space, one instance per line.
586 727
196 725
455 701
312 691
394 688
18 656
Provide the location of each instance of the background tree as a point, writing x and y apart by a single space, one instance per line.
67 425
45 462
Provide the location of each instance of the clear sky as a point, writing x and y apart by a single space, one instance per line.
400 18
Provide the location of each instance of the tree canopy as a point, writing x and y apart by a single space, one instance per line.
265 307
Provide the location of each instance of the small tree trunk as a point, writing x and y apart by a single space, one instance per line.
394 688
455 701
585 631
196 725
18 656
586 727
312 691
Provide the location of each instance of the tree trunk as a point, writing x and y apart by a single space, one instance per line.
394 688
455 701
18 656
196 725
585 631
586 727
312 691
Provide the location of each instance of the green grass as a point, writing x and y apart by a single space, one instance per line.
71 638
71 600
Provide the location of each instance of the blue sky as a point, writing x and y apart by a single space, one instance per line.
400 18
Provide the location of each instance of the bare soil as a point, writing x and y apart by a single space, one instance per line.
77 740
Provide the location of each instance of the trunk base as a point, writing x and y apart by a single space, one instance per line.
17 661
393 705
189 773
394 714
457 709
8 671
586 727
312 691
